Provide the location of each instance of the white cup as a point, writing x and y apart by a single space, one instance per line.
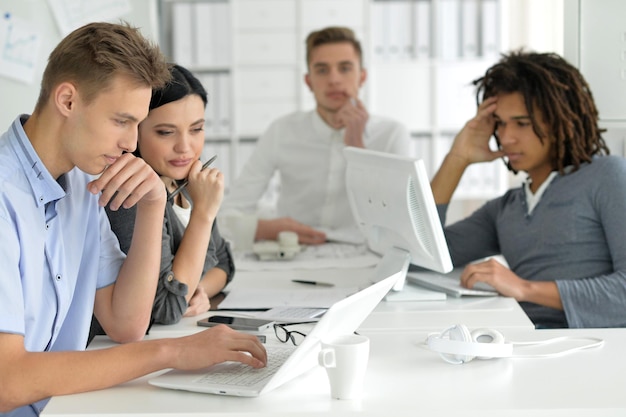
345 359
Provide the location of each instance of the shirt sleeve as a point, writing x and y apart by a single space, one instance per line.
169 302
111 258
386 135
400 140
223 257
600 301
11 297
474 237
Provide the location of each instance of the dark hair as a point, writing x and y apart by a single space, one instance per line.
332 34
182 83
92 55
559 92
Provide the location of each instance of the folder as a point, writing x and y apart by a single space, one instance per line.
400 37
449 29
380 36
470 29
182 34
421 29
223 118
208 81
489 29
222 33
205 42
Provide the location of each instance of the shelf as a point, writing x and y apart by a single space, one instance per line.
421 56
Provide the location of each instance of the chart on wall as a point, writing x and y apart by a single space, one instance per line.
19 45
29 31
71 14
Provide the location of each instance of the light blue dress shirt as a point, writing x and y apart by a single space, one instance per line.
56 250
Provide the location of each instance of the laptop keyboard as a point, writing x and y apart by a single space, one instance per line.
235 373
449 283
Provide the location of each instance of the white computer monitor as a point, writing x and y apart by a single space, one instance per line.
393 205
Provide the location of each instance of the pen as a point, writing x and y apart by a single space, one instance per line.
323 284
184 184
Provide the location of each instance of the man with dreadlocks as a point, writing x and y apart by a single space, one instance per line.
563 232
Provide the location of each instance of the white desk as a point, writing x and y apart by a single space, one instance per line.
404 379
496 312
401 376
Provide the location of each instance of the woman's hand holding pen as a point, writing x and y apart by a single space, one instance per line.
206 189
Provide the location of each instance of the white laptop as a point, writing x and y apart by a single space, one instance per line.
285 362
449 283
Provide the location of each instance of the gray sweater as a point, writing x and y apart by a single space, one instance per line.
575 236
169 303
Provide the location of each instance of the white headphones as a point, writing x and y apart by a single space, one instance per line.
457 345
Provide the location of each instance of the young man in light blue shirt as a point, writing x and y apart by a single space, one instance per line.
61 262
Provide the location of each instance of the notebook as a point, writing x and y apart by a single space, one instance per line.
449 283
285 362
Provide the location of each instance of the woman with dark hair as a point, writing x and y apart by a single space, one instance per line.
196 262
562 233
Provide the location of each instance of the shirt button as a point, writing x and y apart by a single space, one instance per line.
170 277
58 277
47 226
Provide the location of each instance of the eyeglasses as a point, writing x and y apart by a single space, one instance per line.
285 335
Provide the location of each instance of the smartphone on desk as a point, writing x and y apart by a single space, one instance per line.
237 323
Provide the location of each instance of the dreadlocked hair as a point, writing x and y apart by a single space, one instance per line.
555 89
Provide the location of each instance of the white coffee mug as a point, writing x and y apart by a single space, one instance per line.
345 359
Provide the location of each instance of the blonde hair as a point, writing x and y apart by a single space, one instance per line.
332 34
92 55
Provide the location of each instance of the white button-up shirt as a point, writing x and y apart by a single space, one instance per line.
308 156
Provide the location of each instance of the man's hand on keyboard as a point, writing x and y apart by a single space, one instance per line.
215 345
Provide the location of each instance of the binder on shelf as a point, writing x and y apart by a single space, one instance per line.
223 117
209 83
483 181
470 39
380 39
449 29
205 42
182 34
400 35
421 147
454 85
421 29
414 81
489 29
222 150
222 33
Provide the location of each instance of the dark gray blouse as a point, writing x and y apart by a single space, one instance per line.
169 302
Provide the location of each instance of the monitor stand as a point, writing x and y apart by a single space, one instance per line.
396 261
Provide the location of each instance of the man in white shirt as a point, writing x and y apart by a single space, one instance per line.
306 148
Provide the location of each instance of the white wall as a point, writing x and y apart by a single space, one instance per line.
18 97
536 25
